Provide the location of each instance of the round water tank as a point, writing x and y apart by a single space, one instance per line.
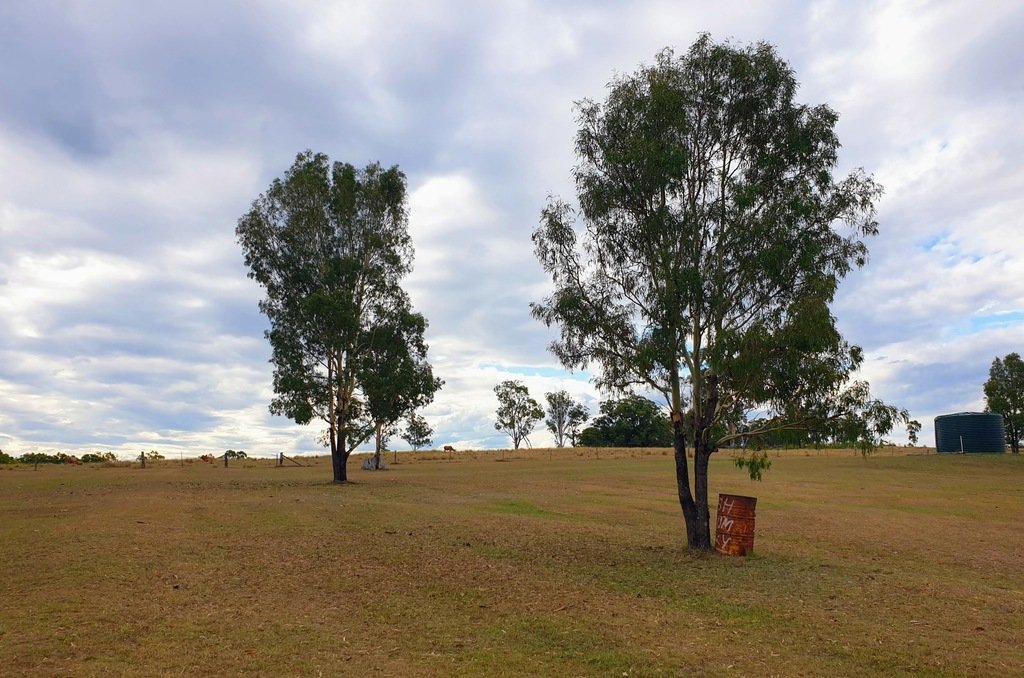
970 432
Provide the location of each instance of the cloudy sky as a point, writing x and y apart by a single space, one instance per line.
133 135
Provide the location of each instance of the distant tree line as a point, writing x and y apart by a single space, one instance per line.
57 458
636 421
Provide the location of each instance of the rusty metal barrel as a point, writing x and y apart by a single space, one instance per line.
734 529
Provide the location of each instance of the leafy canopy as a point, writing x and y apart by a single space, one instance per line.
633 421
564 417
1004 393
418 433
517 413
713 239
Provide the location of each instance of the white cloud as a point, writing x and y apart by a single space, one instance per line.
37 287
131 140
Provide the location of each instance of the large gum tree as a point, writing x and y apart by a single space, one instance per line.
708 240
330 245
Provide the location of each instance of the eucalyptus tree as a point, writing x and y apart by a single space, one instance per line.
330 245
396 377
417 433
517 413
709 238
564 416
1004 393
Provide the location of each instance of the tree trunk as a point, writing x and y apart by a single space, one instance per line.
698 517
339 459
701 538
683 479
378 434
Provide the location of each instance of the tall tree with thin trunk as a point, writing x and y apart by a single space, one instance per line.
517 412
330 246
708 241
396 377
418 433
1004 393
564 417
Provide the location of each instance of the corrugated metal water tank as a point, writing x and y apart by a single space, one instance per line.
970 432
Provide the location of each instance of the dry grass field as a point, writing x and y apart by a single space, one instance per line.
559 564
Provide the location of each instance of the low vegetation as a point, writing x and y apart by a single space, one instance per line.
892 565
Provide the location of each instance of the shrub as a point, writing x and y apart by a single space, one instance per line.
41 458
98 457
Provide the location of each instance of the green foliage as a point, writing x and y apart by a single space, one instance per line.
517 412
98 457
857 428
756 463
44 458
1004 393
235 454
913 429
417 432
396 377
633 421
710 237
6 458
564 417
37 458
152 455
330 246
